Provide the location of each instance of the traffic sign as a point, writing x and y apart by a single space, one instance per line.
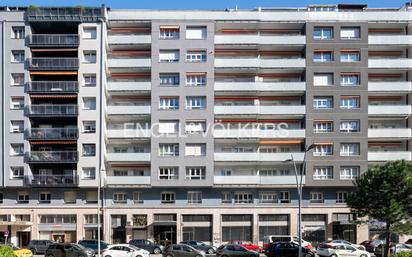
6 233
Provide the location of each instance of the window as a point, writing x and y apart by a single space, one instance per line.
169 103
195 173
350 56
323 56
323 33
17 103
120 173
22 197
196 32
322 102
349 126
89 126
323 150
284 197
89 172
194 197
89 56
323 79
69 197
1 197
196 56
168 126
350 79
167 197
323 173
89 103
89 80
268 197
138 197
349 102
17 32
169 32
168 173
195 126
169 149
119 197
17 79
16 149
89 150
226 197
169 55
316 197
349 172
169 79
17 172
243 197
195 149
89 32
91 197
17 56
227 172
349 149
322 126
196 79
16 126
195 102
44 197
341 197
350 33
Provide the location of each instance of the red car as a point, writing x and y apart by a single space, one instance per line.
248 245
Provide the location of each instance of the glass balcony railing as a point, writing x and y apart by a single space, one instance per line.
75 14
52 134
52 156
54 63
52 110
52 87
53 40
52 180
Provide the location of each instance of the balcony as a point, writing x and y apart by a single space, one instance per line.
128 109
53 40
257 157
387 63
405 40
51 180
128 86
389 156
390 133
67 14
259 133
128 133
127 180
129 62
129 39
280 63
260 40
261 86
51 157
53 64
390 86
52 87
260 110
256 180
51 134
52 110
128 157
389 110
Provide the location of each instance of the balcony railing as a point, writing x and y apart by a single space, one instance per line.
65 110
51 180
52 134
54 63
53 40
52 87
51 156
75 14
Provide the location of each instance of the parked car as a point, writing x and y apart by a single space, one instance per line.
92 244
39 246
370 245
200 246
360 247
233 250
288 249
248 245
181 250
267 240
68 250
124 250
394 248
340 250
147 245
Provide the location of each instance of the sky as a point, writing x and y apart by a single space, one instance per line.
197 4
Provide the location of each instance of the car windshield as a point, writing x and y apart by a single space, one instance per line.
79 247
134 247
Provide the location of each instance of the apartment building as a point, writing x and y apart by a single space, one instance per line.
194 122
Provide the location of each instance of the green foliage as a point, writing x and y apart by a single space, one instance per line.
403 254
6 251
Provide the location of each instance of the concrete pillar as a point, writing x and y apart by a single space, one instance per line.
179 230
216 230
329 226
129 229
362 233
107 231
13 235
255 228
34 227
79 227
150 232
293 225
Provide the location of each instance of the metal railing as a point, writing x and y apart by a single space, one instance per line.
52 87
64 13
51 156
52 180
52 110
54 63
53 40
52 134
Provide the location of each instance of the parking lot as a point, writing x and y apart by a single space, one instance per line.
152 255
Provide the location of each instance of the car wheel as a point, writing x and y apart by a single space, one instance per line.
210 251
138 256
308 255
363 255
157 251
333 255
33 251
198 255
169 255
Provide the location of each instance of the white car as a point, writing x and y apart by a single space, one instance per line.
360 247
340 250
124 250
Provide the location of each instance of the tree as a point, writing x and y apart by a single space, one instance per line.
6 251
385 193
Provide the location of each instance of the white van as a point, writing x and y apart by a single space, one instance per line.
267 240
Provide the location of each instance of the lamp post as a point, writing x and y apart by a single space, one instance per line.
99 187
299 183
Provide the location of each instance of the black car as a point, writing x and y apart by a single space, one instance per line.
233 250
92 244
287 249
200 246
68 250
39 246
147 245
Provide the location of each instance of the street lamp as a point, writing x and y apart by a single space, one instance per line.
99 187
299 183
